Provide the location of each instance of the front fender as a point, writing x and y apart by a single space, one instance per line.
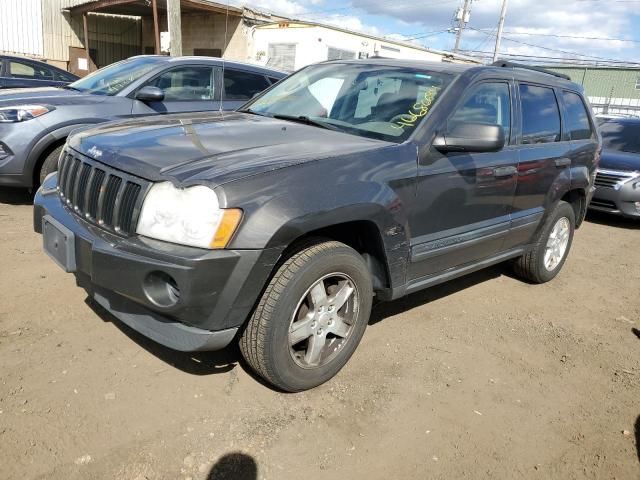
282 206
52 137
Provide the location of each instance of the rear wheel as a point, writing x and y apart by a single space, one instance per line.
310 318
50 163
551 246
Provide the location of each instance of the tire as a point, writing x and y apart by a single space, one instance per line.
533 266
269 342
50 163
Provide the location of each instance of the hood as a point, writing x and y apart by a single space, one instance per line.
212 148
46 96
617 160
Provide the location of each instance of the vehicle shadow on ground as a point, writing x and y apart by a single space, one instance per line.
223 361
194 363
234 466
16 196
609 220
389 309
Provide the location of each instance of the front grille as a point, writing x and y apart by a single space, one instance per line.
100 194
611 178
604 204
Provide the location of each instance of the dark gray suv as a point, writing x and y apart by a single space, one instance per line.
34 123
275 226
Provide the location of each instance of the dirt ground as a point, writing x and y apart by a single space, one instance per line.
485 377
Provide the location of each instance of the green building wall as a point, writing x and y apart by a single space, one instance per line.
604 82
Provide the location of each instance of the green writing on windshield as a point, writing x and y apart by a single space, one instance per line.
417 111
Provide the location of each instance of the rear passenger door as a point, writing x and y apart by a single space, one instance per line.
241 86
186 88
461 213
544 156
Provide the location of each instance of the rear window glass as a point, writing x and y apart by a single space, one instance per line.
540 115
242 85
577 119
621 136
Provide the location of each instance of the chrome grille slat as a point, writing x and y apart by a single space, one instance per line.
100 194
72 181
611 178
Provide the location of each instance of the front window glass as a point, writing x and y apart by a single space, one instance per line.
623 136
186 83
488 103
114 78
375 101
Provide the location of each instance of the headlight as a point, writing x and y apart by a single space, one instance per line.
187 216
22 113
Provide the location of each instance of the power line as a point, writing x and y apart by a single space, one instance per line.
558 60
550 49
569 36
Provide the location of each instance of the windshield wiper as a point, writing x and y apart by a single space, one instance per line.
306 120
69 87
252 112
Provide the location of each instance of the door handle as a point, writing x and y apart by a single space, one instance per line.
562 162
504 171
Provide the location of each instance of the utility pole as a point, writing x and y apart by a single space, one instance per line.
174 20
503 13
463 18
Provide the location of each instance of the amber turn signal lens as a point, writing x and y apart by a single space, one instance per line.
230 221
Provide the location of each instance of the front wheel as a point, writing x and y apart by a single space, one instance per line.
551 246
310 318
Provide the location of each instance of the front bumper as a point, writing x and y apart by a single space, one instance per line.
217 288
17 141
618 201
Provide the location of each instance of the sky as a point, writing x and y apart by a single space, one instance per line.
592 30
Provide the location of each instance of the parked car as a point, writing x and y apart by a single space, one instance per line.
20 72
275 226
618 176
34 123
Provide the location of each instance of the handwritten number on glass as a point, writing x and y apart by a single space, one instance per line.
417 111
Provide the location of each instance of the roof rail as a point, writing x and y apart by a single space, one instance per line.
508 64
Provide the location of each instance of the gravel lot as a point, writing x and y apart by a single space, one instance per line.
485 377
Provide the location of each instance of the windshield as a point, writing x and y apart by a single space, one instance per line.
622 136
114 78
375 101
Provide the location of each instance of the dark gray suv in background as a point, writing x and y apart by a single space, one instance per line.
34 123
277 225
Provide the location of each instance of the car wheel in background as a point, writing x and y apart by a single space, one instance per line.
310 318
50 163
551 246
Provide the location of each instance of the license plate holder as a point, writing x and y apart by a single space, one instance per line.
59 243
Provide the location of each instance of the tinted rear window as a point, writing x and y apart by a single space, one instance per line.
240 85
621 136
540 115
577 119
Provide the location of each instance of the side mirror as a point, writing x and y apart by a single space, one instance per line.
471 137
150 94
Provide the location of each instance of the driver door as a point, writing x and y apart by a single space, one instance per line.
461 213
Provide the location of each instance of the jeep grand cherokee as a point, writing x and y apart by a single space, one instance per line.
276 225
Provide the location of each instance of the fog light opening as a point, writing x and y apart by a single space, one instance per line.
161 289
637 205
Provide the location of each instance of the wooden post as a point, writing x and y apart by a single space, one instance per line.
156 27
85 26
175 27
